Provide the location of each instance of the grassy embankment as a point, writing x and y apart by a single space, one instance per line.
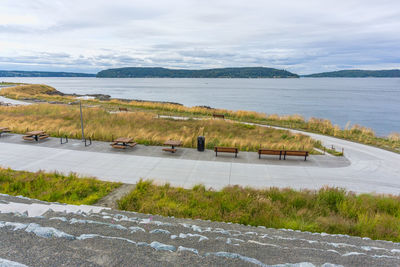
146 128
329 210
354 133
54 187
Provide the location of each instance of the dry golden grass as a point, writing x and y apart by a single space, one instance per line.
27 90
146 128
394 137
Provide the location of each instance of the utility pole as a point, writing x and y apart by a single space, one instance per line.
83 133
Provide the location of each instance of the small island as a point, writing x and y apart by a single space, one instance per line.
357 74
249 72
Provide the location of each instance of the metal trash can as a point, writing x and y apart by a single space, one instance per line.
201 143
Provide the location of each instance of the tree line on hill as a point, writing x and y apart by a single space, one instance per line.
357 74
18 73
245 72
255 72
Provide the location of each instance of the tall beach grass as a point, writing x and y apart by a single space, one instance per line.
147 128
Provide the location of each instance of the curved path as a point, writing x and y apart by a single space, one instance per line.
12 101
370 170
370 166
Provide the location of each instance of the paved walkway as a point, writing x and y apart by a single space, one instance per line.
12 101
371 169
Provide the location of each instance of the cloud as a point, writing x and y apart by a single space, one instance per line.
301 36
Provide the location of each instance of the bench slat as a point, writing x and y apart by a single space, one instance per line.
173 150
43 137
132 144
118 146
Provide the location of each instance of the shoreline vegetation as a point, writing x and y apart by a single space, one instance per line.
355 133
329 210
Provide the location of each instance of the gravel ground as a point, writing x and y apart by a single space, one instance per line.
109 237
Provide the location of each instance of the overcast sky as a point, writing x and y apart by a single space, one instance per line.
300 36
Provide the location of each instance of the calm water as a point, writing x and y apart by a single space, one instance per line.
370 102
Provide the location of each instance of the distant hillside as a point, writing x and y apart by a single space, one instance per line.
357 74
17 73
258 72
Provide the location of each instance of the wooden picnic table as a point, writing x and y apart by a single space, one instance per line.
123 142
4 130
173 144
32 133
35 135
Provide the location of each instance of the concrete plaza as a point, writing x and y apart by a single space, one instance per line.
363 169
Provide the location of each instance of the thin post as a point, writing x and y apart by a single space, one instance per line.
83 133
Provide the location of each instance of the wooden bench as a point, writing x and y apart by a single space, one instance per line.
132 144
221 116
118 146
172 150
295 153
264 151
44 136
226 149
123 109
28 138
4 130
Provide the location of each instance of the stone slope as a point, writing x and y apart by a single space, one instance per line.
37 233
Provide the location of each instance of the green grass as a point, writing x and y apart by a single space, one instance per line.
9 83
54 187
334 152
329 150
330 210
